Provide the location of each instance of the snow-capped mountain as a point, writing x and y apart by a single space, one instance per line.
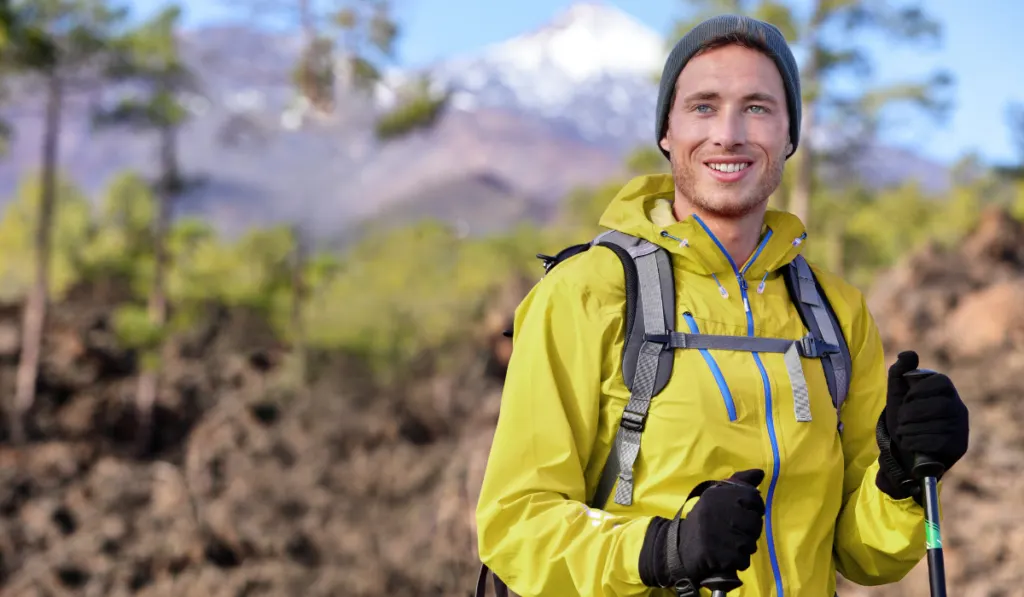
590 70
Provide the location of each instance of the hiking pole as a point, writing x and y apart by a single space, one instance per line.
927 470
721 584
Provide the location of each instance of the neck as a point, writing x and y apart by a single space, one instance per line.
739 235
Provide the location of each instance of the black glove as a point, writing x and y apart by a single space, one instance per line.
928 418
718 536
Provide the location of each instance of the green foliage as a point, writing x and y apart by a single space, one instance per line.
17 235
582 209
134 329
1017 207
419 110
412 289
149 56
360 34
647 160
23 46
120 242
65 36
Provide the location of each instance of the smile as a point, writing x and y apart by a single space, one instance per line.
727 167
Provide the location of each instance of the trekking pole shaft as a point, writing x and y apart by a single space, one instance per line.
933 538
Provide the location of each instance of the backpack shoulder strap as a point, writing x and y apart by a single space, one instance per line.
646 366
650 291
821 321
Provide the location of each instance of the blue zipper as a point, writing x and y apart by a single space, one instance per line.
770 418
723 387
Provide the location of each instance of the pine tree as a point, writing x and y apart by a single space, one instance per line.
149 57
66 42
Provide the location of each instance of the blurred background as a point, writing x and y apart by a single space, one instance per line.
256 257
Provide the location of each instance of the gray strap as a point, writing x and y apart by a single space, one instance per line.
634 417
739 343
626 241
609 474
801 399
809 295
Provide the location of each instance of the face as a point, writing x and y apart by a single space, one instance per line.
728 131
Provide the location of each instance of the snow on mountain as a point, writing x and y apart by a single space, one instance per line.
588 40
590 71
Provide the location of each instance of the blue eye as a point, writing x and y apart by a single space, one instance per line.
762 109
699 107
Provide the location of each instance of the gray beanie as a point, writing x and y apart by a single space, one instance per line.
740 28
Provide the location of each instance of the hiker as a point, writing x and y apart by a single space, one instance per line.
741 419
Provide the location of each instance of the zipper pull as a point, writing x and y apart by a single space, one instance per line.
743 291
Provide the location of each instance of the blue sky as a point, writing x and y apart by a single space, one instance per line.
982 48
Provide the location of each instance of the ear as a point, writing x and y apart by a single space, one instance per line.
664 143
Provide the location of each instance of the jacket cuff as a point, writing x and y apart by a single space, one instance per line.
892 478
653 569
656 569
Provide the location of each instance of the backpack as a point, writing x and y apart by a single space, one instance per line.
650 339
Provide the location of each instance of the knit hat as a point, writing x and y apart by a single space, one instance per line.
740 28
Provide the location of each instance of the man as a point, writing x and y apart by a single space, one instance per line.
802 500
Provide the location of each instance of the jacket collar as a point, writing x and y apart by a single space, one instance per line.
643 208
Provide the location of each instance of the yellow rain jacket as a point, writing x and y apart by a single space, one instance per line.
564 395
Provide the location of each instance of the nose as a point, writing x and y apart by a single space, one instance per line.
729 129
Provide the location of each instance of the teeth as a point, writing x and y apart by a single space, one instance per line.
728 167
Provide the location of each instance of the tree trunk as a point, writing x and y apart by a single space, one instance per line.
803 182
148 384
298 300
309 85
810 75
34 314
837 249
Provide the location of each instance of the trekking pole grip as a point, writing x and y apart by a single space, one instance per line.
722 583
924 465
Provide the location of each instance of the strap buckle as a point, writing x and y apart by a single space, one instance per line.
633 421
685 588
663 339
812 348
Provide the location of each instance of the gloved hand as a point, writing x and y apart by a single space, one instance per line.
718 536
928 418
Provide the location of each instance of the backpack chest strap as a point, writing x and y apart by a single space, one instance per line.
808 346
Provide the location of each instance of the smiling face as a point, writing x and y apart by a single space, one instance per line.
728 132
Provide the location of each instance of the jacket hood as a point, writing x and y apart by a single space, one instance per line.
643 208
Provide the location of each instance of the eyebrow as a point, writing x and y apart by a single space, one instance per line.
714 95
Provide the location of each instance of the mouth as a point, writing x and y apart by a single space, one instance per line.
728 171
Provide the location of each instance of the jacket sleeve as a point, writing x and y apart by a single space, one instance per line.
878 539
534 529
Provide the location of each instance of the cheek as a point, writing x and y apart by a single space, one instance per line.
686 135
772 138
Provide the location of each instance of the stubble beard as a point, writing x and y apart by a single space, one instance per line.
685 176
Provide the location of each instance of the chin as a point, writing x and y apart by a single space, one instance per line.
728 205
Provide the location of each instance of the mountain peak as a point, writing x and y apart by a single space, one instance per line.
588 39
589 70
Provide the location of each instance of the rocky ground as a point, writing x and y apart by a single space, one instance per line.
343 488
962 310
